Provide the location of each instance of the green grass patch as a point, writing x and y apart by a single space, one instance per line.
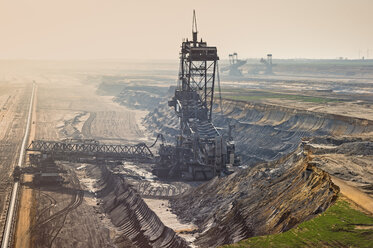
338 226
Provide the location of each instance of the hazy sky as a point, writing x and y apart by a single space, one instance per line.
153 29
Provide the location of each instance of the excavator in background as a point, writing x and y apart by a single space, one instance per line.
234 65
268 64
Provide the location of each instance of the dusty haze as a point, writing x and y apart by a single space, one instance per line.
92 29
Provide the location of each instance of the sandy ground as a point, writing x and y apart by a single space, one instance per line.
357 170
163 211
69 109
99 117
352 170
361 199
353 109
14 100
22 236
64 105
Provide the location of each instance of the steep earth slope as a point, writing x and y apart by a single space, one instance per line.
264 132
349 158
139 226
270 198
272 131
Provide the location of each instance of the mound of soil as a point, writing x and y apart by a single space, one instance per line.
271 198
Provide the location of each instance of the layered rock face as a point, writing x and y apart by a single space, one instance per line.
349 158
264 132
139 226
347 145
270 198
281 187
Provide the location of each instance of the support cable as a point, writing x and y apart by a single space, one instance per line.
220 98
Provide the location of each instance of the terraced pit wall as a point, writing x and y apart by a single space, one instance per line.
263 132
139 226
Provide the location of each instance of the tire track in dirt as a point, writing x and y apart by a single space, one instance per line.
86 129
76 200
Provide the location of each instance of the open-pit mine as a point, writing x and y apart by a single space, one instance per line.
99 154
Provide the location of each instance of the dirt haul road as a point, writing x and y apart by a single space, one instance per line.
12 207
14 102
71 214
361 199
26 204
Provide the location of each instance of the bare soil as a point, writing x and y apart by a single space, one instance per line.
254 201
26 204
351 192
14 100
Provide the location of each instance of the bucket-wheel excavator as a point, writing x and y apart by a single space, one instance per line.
201 152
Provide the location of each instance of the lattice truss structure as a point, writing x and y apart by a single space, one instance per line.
194 96
91 148
197 73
